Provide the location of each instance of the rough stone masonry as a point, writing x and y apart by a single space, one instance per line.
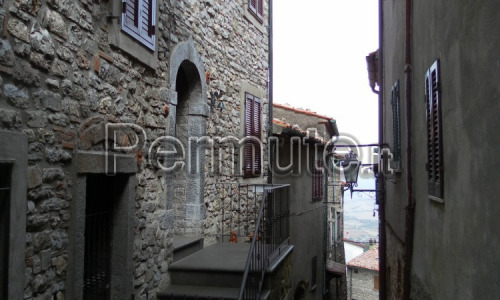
61 80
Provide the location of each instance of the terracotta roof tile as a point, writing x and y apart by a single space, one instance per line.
368 260
302 111
285 124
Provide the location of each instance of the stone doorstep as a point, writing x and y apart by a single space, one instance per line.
203 292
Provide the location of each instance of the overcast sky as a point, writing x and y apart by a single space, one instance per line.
320 49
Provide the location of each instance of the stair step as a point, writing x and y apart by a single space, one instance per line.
198 292
189 292
185 246
219 265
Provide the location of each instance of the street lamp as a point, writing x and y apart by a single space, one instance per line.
350 166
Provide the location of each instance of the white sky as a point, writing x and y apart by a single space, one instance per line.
320 49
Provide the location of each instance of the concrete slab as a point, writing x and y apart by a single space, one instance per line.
225 257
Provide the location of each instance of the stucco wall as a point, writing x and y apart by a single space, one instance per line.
306 222
452 257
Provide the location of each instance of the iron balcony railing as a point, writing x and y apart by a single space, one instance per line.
271 231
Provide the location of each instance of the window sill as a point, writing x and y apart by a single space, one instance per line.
256 21
123 41
436 199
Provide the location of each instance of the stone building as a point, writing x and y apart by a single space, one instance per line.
363 281
438 96
304 147
92 88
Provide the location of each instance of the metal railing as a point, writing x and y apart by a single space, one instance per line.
271 232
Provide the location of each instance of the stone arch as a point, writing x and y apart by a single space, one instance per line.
187 120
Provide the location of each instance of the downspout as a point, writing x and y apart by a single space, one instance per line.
325 291
410 209
381 181
270 92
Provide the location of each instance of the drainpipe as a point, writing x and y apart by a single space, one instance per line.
325 225
270 91
381 181
410 209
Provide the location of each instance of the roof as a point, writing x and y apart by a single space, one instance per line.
368 260
302 111
297 131
358 244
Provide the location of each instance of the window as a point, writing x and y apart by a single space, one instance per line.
256 7
396 126
376 282
434 131
317 180
252 163
139 20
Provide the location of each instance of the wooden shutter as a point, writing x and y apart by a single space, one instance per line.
434 131
260 8
139 20
376 282
252 151
257 8
317 180
396 125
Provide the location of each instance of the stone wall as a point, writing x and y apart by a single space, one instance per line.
61 81
361 284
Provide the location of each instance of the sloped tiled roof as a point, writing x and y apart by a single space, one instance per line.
368 260
302 111
284 124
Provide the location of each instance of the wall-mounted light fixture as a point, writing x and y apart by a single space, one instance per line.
350 167
216 101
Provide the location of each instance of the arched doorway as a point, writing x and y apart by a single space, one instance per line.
188 124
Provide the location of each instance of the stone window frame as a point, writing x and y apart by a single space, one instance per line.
258 22
118 38
247 87
15 153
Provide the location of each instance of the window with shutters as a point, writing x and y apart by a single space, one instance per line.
434 131
139 21
252 152
317 180
396 126
256 7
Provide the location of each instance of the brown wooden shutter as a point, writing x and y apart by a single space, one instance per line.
260 8
434 131
256 133
317 180
252 150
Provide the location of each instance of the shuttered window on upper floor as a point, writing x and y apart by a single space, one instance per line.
252 165
434 131
256 7
317 180
139 21
396 125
